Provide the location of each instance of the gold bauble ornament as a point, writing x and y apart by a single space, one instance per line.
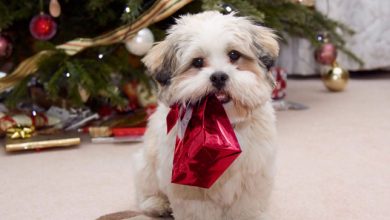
336 78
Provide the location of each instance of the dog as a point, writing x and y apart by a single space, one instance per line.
225 55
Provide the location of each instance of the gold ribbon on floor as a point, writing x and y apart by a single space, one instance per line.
160 10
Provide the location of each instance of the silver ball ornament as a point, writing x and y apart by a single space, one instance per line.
141 43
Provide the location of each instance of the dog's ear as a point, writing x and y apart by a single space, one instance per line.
160 62
265 44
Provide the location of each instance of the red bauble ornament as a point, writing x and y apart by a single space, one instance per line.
326 54
5 47
280 77
43 27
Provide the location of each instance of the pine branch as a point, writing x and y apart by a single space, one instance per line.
11 11
131 11
19 93
53 85
244 8
95 75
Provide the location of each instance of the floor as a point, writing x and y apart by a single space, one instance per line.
333 163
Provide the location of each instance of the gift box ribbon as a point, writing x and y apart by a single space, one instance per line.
20 132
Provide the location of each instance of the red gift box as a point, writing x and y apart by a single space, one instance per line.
120 132
206 144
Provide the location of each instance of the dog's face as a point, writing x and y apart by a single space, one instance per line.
213 53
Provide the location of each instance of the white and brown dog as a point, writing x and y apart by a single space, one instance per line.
203 54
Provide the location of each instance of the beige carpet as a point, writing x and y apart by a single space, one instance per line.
333 164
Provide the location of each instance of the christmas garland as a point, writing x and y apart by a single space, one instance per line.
159 11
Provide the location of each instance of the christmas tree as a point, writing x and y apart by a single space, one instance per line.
83 52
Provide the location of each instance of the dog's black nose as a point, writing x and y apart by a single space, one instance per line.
218 79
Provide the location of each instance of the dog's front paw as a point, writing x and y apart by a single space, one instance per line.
156 206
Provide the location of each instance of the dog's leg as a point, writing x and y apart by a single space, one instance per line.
156 206
150 200
252 204
196 210
250 212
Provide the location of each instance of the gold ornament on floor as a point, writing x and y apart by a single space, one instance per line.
336 78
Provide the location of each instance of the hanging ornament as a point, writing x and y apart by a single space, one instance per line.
326 54
141 43
43 27
55 8
5 47
335 78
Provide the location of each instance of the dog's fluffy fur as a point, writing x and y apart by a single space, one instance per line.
242 192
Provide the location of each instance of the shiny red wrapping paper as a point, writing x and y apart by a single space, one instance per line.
206 144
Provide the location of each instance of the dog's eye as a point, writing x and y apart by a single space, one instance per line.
234 55
197 62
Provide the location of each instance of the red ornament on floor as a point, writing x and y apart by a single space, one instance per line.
280 77
43 27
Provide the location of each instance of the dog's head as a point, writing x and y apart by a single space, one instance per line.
213 53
